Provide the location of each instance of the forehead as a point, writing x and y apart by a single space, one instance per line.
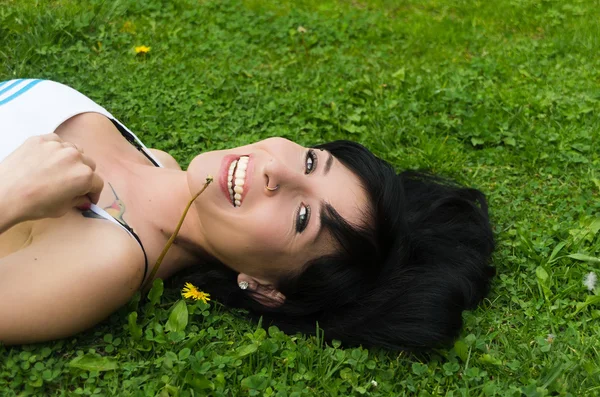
343 190
346 193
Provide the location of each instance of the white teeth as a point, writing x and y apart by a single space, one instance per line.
232 167
235 183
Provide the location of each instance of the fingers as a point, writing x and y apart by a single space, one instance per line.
96 189
71 144
50 137
88 161
93 195
55 138
97 184
82 202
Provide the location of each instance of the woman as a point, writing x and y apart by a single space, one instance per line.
328 234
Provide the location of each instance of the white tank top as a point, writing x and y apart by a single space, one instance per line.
30 107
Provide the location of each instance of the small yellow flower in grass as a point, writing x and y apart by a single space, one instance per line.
191 292
142 49
128 27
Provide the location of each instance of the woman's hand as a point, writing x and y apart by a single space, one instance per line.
44 178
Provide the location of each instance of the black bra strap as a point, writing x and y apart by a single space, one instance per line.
133 141
136 144
130 230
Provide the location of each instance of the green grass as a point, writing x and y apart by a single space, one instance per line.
503 95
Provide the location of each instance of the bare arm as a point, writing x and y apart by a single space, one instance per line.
44 178
8 217
66 282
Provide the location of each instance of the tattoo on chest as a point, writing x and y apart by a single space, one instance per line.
116 209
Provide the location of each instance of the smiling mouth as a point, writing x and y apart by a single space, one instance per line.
236 177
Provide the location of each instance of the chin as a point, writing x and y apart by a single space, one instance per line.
199 169
195 175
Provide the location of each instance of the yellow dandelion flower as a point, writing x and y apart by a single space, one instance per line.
128 27
142 49
191 292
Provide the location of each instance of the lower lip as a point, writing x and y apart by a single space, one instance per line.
224 173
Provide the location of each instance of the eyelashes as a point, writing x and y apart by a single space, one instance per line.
303 215
302 218
310 164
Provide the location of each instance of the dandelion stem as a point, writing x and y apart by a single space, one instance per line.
174 235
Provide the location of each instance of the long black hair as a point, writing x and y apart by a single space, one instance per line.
401 280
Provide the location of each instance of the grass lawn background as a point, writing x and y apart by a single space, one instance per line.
502 95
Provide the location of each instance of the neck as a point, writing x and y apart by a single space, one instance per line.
161 195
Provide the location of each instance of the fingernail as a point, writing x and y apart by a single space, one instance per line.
85 207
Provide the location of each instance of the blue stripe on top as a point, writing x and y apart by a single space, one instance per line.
3 82
14 83
23 90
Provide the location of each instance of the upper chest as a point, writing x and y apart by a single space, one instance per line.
103 143
120 197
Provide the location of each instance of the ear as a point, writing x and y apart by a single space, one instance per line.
262 291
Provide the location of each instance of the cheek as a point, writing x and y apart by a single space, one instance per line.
258 234
267 233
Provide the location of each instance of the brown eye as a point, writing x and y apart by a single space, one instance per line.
311 162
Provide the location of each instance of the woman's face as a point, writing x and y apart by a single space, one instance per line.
268 233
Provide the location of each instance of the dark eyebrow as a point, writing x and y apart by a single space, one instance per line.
328 164
321 217
324 204
327 215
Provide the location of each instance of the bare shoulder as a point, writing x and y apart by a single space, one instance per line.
165 158
67 280
112 248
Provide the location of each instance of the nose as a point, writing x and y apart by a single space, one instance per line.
282 176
